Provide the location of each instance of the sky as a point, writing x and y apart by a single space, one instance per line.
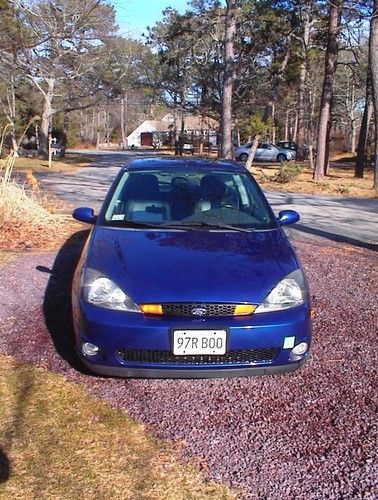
134 15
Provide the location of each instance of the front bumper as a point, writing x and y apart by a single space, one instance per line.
113 331
130 372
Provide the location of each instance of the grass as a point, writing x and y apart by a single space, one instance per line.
68 164
29 219
339 182
57 442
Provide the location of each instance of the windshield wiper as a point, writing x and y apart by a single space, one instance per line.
132 223
186 226
210 225
148 225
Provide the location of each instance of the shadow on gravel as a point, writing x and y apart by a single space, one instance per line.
335 237
57 300
4 467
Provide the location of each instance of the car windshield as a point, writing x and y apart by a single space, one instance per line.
190 198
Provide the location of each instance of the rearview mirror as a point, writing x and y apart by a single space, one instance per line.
84 214
286 217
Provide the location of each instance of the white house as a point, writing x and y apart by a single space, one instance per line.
146 133
152 132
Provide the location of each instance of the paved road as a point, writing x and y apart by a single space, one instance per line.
350 220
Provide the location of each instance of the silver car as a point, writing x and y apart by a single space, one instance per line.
265 152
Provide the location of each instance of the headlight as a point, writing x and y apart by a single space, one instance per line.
101 291
289 292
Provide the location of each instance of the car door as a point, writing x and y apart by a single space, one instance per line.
267 152
259 155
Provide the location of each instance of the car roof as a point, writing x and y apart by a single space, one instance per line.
174 163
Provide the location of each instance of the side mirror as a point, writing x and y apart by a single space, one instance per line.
84 214
286 217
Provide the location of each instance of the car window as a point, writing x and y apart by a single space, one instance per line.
189 196
286 145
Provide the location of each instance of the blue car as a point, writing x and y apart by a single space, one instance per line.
188 273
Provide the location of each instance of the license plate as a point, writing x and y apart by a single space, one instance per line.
189 342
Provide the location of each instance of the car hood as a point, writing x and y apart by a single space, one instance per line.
192 266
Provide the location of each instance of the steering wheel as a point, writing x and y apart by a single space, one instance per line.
228 205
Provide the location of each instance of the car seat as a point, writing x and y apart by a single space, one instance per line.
143 201
182 198
215 194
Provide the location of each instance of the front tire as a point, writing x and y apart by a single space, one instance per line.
243 157
281 157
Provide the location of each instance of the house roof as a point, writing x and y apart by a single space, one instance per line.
191 123
160 125
195 122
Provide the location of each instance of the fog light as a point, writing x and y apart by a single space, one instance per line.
90 349
300 349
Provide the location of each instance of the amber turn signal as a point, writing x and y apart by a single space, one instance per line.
151 308
244 309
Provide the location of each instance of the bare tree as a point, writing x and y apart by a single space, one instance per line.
226 119
305 15
9 109
364 130
58 49
322 149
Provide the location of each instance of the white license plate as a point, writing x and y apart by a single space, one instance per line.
189 342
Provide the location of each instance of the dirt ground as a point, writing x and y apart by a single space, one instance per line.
339 182
70 163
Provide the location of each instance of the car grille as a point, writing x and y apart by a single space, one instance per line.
186 309
245 356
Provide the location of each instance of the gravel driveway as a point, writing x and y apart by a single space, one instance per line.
312 434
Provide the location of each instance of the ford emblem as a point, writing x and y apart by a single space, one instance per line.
198 311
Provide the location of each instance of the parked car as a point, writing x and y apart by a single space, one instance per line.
292 146
188 273
188 148
287 145
264 152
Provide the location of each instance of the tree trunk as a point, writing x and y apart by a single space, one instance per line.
98 134
311 131
12 116
124 121
226 120
94 129
46 118
328 145
176 134
352 117
328 85
273 122
302 86
13 140
373 51
287 125
252 152
177 141
295 126
364 130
